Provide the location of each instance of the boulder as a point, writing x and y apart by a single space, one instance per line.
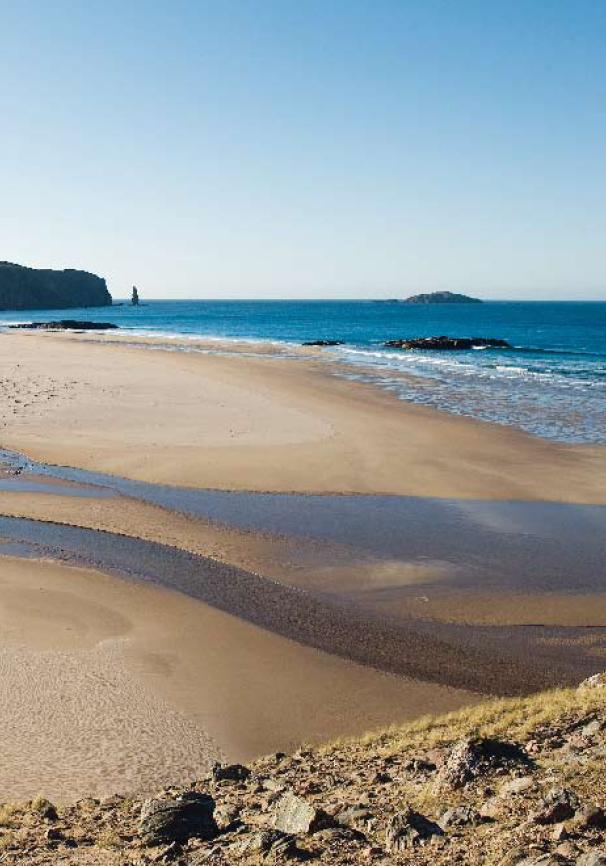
293 814
230 773
589 818
407 829
271 844
559 805
176 820
459 816
471 758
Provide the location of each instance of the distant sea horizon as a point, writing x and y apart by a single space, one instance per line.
552 383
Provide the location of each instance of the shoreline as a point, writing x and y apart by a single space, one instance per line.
265 425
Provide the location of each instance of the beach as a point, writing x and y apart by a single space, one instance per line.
193 680
253 423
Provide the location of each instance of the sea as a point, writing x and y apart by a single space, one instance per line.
552 383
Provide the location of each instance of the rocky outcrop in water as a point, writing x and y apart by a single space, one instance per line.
441 298
323 343
24 288
66 325
448 343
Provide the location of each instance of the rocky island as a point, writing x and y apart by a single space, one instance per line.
23 288
442 298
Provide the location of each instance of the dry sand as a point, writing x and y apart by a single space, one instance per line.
111 686
263 424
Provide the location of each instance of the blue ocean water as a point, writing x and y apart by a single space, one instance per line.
552 383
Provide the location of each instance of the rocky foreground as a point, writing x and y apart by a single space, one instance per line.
513 782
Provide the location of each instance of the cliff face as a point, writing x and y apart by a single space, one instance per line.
32 289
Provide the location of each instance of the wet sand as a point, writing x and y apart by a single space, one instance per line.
108 685
254 423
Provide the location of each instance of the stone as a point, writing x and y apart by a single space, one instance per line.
471 758
407 829
491 809
45 809
419 765
359 817
293 814
548 859
459 816
589 818
522 785
591 729
179 819
230 773
269 843
559 805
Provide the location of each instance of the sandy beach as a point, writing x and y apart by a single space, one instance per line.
176 682
112 686
255 423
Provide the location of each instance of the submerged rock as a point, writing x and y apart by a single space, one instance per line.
66 325
324 343
448 343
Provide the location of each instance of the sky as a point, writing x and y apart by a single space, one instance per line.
307 148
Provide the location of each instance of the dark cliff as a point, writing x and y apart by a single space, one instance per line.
24 288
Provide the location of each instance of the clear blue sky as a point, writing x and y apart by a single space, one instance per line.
307 148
